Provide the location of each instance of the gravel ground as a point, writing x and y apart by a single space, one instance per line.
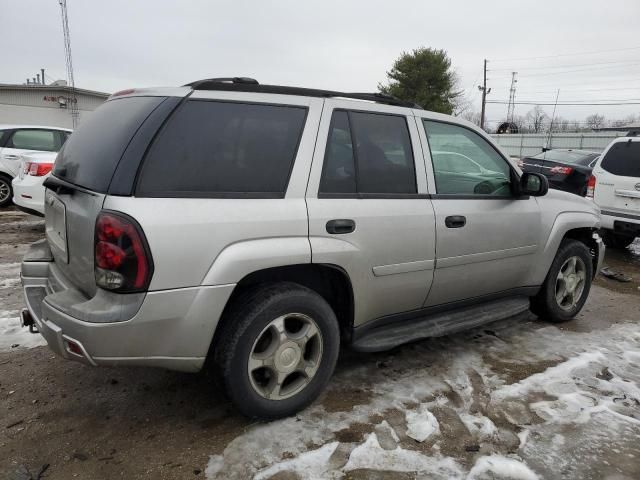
518 399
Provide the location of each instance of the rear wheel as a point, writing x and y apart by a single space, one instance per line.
6 191
567 285
617 240
277 350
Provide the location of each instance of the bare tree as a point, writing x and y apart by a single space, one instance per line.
595 121
536 118
471 116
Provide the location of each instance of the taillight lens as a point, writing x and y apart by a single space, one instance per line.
562 170
37 169
591 186
122 257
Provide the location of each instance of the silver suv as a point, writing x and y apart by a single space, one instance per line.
260 227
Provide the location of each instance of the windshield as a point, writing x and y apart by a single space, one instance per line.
567 156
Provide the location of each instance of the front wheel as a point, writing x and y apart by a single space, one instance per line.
6 192
616 240
567 285
277 350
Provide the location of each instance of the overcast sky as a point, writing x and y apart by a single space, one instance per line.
343 45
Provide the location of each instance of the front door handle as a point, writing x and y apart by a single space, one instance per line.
455 221
340 226
12 157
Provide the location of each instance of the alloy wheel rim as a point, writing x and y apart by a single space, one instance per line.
5 191
285 356
570 283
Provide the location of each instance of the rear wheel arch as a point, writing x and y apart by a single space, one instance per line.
329 281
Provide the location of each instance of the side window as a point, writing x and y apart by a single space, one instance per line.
368 153
464 163
208 148
44 140
623 159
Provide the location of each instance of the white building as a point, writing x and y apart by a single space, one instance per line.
45 104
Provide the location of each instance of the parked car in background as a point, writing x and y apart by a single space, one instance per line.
16 140
311 219
566 169
28 191
615 187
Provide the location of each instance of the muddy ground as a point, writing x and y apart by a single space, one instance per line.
515 399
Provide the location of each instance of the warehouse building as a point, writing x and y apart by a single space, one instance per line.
51 105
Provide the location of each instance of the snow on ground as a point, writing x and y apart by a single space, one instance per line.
530 401
12 335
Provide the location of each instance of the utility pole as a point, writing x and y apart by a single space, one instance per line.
512 99
73 106
485 92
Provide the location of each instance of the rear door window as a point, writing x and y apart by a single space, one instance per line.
42 140
90 156
381 162
215 148
623 159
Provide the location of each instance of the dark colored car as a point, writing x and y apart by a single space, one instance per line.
566 169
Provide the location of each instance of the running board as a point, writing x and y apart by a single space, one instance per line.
425 325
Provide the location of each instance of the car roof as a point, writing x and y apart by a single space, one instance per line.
574 150
49 127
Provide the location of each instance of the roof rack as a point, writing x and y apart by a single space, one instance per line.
245 84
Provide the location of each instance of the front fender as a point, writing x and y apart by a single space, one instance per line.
564 222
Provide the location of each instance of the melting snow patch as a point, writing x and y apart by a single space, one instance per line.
498 466
371 455
478 425
421 424
312 465
11 333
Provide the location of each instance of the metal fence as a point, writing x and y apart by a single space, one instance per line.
525 144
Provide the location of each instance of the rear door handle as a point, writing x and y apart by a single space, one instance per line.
455 221
340 226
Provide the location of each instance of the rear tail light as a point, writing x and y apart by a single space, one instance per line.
562 170
122 258
591 186
37 169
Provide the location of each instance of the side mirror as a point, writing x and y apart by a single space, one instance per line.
533 184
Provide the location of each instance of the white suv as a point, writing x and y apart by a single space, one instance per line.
615 187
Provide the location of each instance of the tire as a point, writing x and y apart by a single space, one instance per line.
616 240
546 303
266 325
6 191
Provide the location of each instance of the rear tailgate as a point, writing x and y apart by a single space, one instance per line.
618 178
80 181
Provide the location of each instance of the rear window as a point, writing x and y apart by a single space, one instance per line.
90 156
623 159
575 158
213 148
42 140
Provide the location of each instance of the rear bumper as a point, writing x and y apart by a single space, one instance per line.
172 329
621 222
28 194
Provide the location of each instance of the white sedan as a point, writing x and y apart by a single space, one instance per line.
28 192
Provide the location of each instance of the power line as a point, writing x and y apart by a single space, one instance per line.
545 74
564 104
566 54
560 66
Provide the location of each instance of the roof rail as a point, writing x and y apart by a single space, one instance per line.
244 84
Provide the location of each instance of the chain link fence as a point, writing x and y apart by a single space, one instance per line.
527 144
